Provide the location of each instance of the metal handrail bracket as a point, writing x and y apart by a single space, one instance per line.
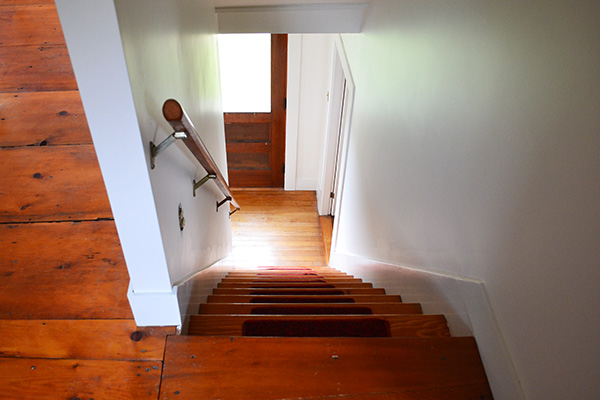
181 123
155 150
203 181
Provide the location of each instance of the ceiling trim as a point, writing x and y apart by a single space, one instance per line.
293 18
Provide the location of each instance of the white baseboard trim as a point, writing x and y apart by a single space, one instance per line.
464 302
306 184
155 308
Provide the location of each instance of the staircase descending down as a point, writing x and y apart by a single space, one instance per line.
277 333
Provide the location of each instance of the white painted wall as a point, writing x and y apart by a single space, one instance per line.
129 56
474 153
309 73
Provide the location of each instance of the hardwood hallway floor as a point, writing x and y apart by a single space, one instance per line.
276 227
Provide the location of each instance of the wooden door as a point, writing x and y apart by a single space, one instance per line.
256 141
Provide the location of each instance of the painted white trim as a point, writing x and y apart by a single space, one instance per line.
493 350
293 18
293 110
336 97
465 303
247 3
155 308
345 140
306 184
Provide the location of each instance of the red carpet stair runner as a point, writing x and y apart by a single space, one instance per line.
316 333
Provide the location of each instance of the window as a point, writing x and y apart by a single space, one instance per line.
245 62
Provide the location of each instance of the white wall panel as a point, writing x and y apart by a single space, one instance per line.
474 153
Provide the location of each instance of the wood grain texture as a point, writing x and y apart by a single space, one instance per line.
258 132
42 118
290 274
51 183
247 127
36 68
276 228
36 378
70 270
279 57
400 325
20 2
358 298
98 339
284 368
298 292
255 162
376 308
66 328
32 25
294 283
327 233
246 118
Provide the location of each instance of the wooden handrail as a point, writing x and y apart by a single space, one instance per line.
179 120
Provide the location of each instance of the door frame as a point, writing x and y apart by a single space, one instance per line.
273 177
336 125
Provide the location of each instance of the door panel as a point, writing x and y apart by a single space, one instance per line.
256 141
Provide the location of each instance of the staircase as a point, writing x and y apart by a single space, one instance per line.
316 333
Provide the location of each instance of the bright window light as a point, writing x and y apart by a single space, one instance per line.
245 61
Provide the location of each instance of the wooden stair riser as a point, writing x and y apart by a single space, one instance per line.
300 291
289 276
356 299
292 269
399 325
271 280
285 285
376 308
288 268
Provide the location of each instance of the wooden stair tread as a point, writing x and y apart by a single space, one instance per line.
293 285
417 325
305 275
299 291
236 281
290 271
357 298
376 308
244 368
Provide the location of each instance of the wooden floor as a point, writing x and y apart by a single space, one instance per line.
274 228
66 327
